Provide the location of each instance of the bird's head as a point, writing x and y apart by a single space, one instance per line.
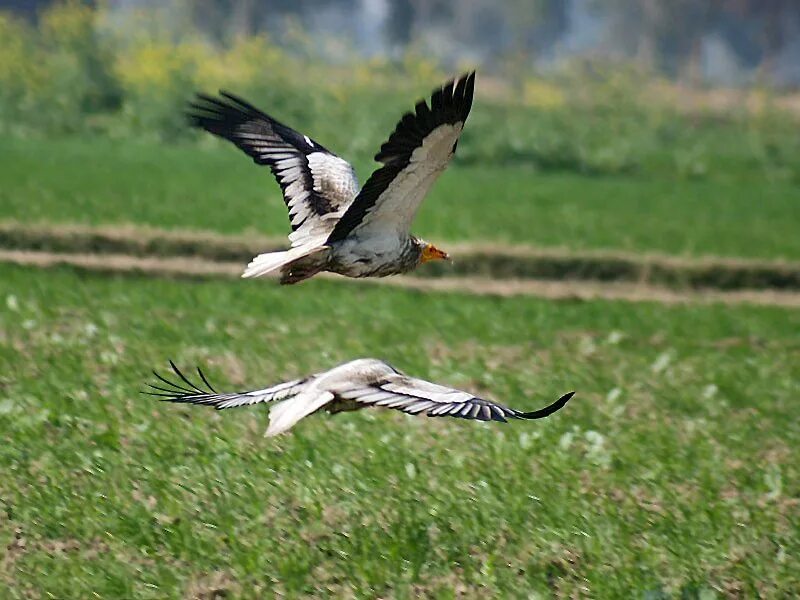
429 252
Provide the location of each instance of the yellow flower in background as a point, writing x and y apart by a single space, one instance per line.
244 63
146 66
67 23
542 94
15 60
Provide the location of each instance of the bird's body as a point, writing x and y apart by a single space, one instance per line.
357 257
350 386
338 226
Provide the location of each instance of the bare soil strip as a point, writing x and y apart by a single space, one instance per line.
182 267
472 260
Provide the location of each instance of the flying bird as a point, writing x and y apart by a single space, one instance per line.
350 386
337 226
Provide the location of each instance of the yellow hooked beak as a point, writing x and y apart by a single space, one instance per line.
431 252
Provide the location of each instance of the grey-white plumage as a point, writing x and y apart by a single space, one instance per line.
350 386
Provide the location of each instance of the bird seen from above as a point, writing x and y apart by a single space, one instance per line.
350 386
337 226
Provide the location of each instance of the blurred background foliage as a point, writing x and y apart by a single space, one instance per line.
127 69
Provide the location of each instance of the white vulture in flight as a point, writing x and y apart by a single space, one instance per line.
337 226
350 386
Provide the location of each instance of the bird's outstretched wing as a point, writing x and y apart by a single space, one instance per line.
317 185
416 153
187 391
420 397
391 390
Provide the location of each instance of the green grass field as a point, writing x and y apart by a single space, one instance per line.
218 188
673 472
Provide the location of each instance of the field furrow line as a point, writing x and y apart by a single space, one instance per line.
189 268
490 261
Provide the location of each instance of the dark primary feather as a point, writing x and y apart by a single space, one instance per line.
479 409
194 394
238 121
495 411
222 117
450 104
189 392
178 393
420 397
174 390
546 411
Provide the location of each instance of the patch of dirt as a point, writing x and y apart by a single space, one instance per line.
554 290
134 241
485 260
586 291
122 263
213 586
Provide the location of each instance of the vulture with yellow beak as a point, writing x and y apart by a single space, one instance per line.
337 226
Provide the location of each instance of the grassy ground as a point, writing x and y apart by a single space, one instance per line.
674 471
104 181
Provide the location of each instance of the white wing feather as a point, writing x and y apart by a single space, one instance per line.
395 208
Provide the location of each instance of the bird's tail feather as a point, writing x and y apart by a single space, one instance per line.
272 261
285 414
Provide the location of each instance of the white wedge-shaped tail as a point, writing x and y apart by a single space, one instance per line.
273 261
285 414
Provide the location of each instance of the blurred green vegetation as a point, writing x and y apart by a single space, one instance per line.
78 72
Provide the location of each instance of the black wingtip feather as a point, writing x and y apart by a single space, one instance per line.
243 105
203 377
175 390
184 379
220 115
170 391
438 99
547 410
448 104
172 384
466 93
